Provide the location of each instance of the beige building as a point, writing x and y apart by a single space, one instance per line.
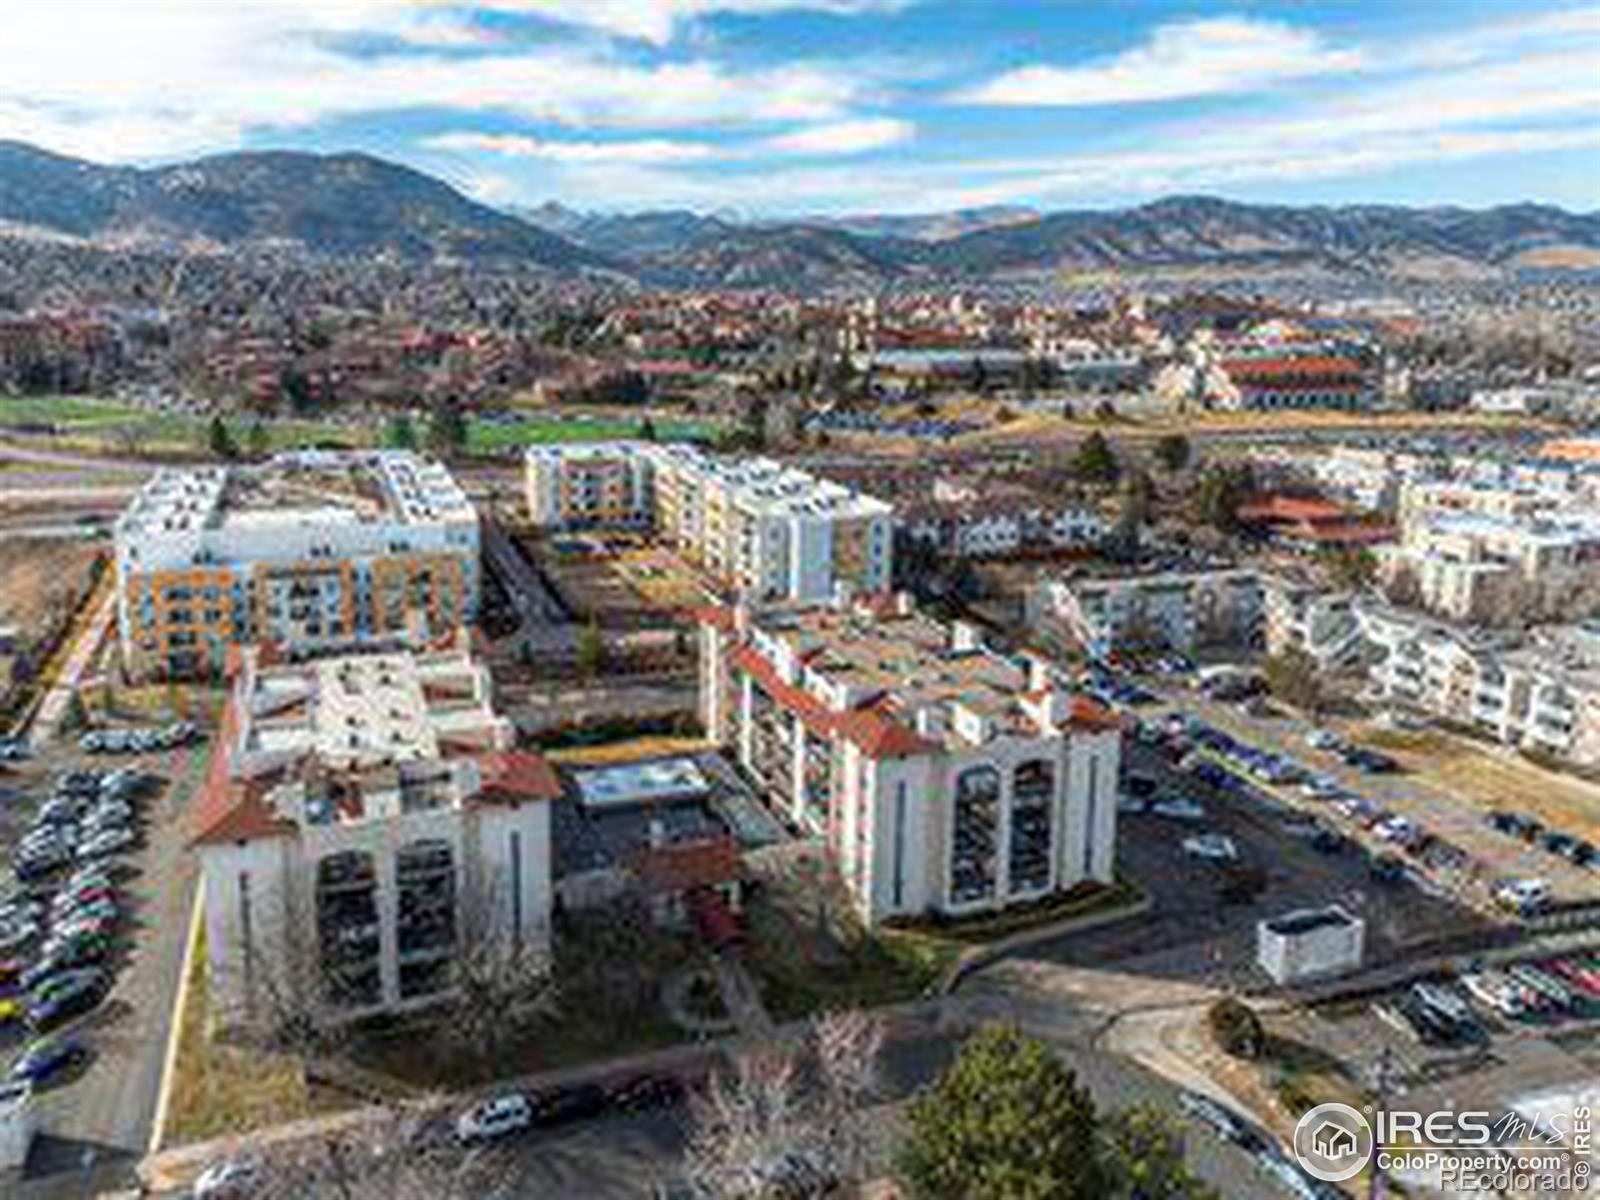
945 777
365 826
308 552
763 530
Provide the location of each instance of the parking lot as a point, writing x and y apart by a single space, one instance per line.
131 924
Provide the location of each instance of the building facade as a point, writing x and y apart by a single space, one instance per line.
946 778
308 552
762 530
1540 693
1173 610
366 827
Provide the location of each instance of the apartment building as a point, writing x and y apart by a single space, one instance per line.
309 551
765 531
1169 610
1466 563
1302 614
366 825
1267 383
1540 693
945 777
600 486
966 521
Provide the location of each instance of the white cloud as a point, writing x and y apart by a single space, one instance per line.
173 77
1180 60
658 21
645 150
844 137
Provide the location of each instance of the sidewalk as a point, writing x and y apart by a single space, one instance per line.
47 717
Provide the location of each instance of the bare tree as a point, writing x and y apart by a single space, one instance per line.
768 1108
742 1120
408 1154
283 984
849 1052
502 980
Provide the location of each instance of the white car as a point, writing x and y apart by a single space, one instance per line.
1523 895
1322 739
232 1177
1216 846
1179 808
495 1118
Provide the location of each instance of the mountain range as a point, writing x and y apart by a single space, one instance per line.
360 205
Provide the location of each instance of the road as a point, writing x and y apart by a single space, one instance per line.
544 621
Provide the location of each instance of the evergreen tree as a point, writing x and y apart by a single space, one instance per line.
400 433
1007 1119
447 432
258 442
219 439
1173 452
1095 461
1143 1153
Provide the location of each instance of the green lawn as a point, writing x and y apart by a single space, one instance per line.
87 419
484 437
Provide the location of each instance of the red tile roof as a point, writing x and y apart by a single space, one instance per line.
228 810
873 730
1279 371
1092 716
516 775
683 866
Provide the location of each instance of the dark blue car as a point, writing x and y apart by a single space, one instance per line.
48 1058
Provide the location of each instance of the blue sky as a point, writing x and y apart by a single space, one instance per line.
777 107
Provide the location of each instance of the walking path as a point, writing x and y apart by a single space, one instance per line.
47 717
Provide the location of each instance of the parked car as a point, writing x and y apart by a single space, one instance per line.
66 995
106 843
1179 808
495 1118
48 1058
1524 896
230 1179
1217 847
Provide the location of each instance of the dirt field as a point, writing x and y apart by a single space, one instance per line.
32 571
1492 779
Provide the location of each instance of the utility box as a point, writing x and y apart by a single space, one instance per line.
1309 943
16 1125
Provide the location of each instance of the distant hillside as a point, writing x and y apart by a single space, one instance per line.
358 205
1189 232
342 204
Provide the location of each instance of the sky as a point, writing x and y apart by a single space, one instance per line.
788 107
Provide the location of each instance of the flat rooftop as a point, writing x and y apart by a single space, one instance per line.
910 658
316 487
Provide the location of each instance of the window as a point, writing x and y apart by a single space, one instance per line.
1033 787
516 887
899 844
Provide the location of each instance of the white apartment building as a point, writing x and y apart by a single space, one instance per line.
1541 693
945 777
310 551
1463 562
365 825
1173 610
1299 614
765 531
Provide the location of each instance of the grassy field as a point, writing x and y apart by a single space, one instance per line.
87 421
483 437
